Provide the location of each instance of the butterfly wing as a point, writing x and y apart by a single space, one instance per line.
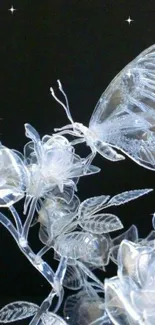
124 116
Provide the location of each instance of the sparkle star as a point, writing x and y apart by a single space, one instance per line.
129 20
12 9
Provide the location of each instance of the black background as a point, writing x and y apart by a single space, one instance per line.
84 44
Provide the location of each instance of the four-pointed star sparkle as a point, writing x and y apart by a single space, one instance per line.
129 20
12 9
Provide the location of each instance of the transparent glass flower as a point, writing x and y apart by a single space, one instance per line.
52 162
57 216
13 177
130 297
86 307
93 244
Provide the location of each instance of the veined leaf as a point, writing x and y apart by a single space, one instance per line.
16 311
127 196
73 278
92 205
101 223
73 245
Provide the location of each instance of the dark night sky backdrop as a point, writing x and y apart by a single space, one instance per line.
84 44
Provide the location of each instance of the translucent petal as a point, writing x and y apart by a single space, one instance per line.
54 208
29 153
52 319
31 132
82 309
131 234
92 170
145 268
9 196
149 240
13 172
44 235
118 305
144 300
55 140
90 310
57 217
103 320
148 279
127 261
136 261
71 308
67 194
98 251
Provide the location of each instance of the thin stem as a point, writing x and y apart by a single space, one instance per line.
34 136
90 274
18 222
43 251
60 299
27 201
61 271
16 218
44 307
9 226
89 159
29 219
58 281
36 261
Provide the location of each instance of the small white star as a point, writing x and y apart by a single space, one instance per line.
12 9
129 20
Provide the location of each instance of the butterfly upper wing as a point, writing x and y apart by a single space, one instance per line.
124 116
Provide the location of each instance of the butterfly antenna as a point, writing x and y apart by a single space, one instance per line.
66 107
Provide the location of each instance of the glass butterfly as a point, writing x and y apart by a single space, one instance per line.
124 117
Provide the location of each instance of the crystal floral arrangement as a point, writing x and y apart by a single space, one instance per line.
45 176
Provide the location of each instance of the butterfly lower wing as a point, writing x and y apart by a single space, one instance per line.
124 117
107 151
